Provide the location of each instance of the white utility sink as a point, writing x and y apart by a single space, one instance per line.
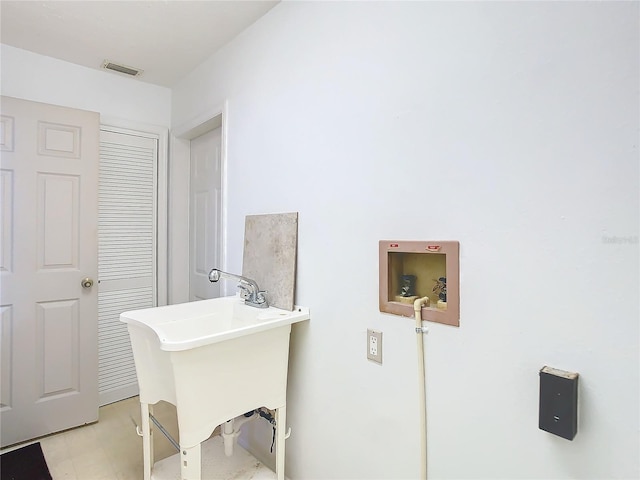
214 360
189 325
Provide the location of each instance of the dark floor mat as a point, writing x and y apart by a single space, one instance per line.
26 463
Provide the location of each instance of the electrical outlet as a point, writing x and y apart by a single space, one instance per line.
374 346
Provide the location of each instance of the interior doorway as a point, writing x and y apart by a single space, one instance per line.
205 213
197 206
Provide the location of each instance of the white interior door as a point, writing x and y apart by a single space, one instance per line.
205 223
127 252
49 245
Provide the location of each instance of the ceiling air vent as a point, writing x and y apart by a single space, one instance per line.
132 72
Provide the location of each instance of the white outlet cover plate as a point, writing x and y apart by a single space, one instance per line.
374 345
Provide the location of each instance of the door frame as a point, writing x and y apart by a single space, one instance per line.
179 198
162 134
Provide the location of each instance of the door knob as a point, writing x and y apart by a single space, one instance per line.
86 282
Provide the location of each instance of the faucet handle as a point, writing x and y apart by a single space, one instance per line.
244 292
258 300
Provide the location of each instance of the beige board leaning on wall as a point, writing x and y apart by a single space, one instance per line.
269 257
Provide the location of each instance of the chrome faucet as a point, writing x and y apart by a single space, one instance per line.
249 289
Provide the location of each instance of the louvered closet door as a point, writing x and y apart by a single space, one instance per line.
127 252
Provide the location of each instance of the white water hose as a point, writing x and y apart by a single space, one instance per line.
420 330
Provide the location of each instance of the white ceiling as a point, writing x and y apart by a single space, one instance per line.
164 38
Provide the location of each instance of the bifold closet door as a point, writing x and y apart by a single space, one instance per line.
127 252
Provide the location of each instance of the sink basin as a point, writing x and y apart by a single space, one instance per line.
214 360
190 325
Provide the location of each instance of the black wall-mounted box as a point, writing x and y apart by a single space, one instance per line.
558 402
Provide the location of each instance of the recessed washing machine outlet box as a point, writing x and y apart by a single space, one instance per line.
415 269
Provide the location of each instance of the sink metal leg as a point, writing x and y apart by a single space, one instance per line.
191 463
281 429
147 439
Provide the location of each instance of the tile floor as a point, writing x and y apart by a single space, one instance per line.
109 449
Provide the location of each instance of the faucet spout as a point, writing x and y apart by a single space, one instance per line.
250 291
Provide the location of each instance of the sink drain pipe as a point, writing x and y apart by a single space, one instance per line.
422 393
231 429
